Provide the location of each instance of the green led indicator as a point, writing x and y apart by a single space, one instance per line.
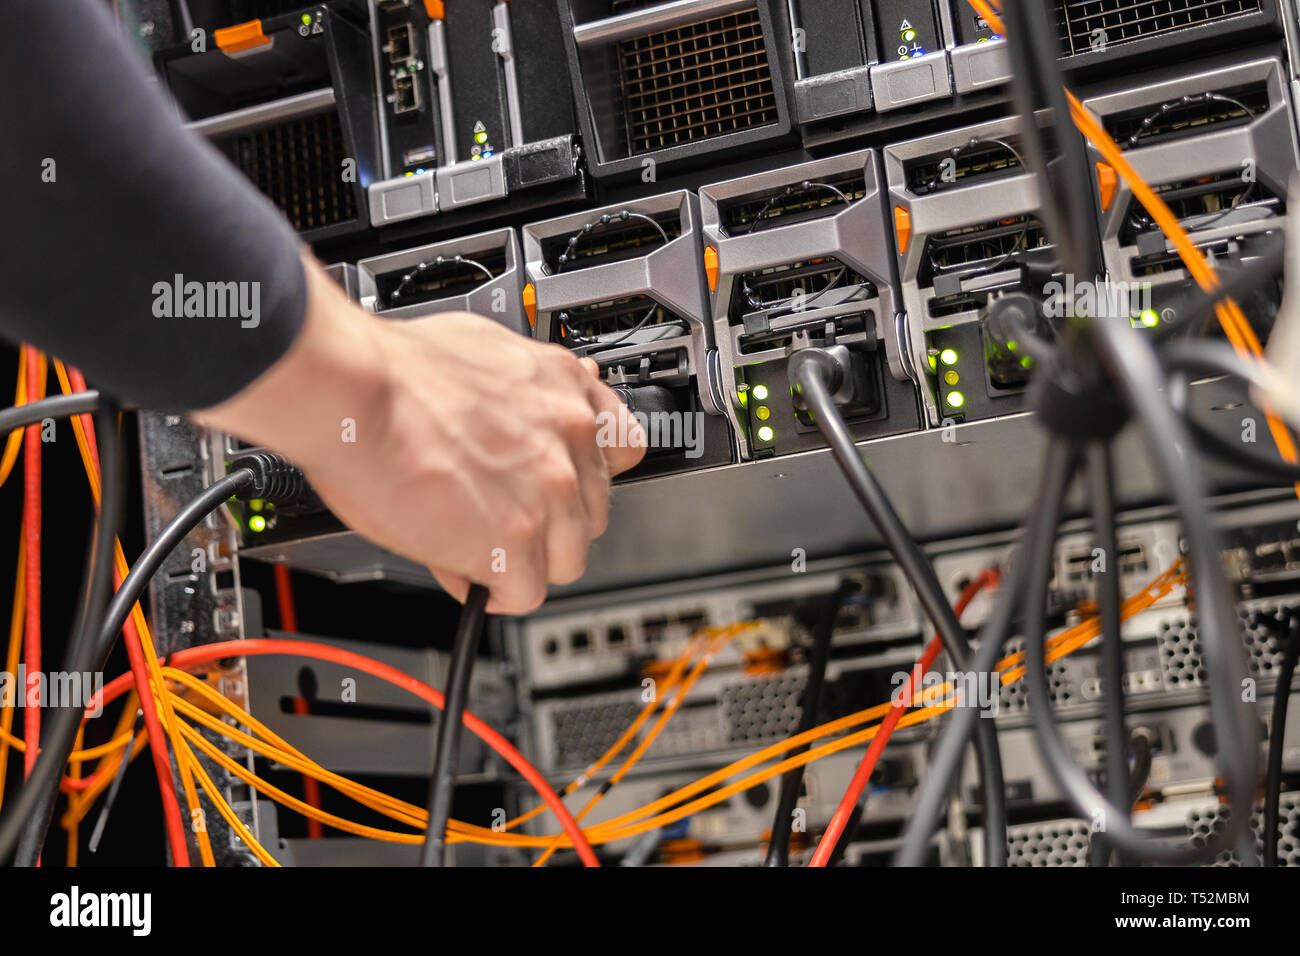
765 433
255 504
480 137
955 400
1026 362
760 392
306 19
257 523
948 356
1149 318
909 35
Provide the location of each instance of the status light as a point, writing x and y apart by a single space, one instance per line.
1150 318
760 392
950 377
948 356
956 400
257 523
766 434
763 413
909 35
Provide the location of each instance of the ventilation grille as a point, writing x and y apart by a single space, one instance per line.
297 165
1054 843
583 733
1012 698
1262 633
762 708
695 82
1211 819
1124 21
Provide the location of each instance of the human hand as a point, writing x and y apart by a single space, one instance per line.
448 439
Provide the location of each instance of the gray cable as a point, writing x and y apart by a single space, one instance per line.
1038 541
808 371
1131 362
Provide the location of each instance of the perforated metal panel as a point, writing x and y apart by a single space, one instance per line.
584 732
696 81
1012 697
1054 843
1127 20
762 708
1204 821
296 164
1262 630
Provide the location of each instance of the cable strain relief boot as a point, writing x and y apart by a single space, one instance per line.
274 479
832 364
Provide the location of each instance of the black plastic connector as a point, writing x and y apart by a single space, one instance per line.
647 399
274 480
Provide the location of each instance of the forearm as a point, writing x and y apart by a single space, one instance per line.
326 393
133 249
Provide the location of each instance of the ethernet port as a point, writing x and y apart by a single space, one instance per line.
406 93
580 642
654 628
693 622
616 636
400 43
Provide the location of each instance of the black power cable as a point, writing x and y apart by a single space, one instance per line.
1135 782
468 631
57 744
1038 542
260 475
96 587
816 374
56 406
1131 363
1068 211
1276 738
1101 494
778 850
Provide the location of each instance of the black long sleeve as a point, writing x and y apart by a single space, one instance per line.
107 201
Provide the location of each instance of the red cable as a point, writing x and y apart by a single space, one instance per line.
284 599
172 818
840 819
32 545
325 652
289 623
77 382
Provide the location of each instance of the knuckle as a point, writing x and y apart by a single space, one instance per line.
521 526
559 476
